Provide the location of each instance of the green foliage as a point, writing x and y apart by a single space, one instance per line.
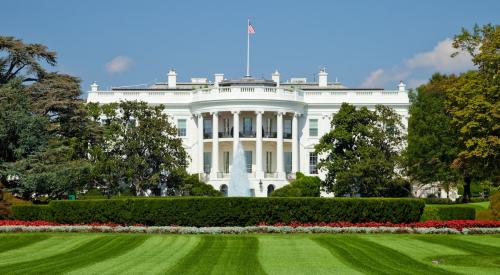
432 141
474 104
32 212
302 186
495 206
446 213
138 147
229 211
361 152
23 60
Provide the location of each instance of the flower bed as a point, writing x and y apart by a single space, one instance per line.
429 227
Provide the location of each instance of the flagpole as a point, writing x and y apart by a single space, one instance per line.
248 49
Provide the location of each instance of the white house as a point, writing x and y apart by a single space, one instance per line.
278 123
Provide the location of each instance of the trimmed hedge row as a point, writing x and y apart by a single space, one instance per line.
205 211
447 213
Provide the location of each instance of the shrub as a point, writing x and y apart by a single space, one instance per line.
302 186
495 206
204 211
447 213
438 201
31 212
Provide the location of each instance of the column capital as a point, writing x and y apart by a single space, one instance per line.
214 113
259 112
235 112
297 114
280 113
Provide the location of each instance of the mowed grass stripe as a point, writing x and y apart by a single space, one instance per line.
156 255
298 254
11 242
221 255
55 244
475 254
372 258
90 252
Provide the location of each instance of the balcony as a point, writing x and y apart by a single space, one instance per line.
247 134
268 134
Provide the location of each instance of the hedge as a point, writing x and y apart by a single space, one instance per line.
447 213
205 211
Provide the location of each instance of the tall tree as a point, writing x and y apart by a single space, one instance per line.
139 146
361 153
23 60
432 140
474 104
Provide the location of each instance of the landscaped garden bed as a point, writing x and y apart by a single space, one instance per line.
428 227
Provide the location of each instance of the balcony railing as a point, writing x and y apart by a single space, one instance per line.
225 134
287 135
267 134
247 134
207 135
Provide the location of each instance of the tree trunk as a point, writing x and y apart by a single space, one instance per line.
467 193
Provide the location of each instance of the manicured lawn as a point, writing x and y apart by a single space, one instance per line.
84 253
479 206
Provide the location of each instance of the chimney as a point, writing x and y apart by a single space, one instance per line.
172 79
276 78
94 87
323 78
401 86
218 79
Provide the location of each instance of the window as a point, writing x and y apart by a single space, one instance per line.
248 158
207 162
269 162
207 128
247 126
287 128
313 127
225 156
227 129
223 190
313 162
270 189
181 127
288 162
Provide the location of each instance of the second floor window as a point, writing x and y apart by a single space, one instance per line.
313 162
207 128
313 127
247 126
287 128
181 127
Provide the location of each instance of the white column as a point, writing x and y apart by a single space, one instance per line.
215 144
259 172
295 143
200 143
236 131
279 146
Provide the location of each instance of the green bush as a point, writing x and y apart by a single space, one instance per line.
446 213
438 201
205 211
32 212
302 186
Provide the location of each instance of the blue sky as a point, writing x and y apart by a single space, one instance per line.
363 43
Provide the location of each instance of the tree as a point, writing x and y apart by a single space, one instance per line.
139 146
302 186
361 153
432 140
23 60
473 101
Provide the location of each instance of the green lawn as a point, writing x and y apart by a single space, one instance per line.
479 206
88 253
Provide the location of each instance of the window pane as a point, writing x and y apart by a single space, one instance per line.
313 127
248 158
313 161
207 162
181 127
288 162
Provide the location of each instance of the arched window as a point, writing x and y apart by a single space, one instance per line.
270 189
223 189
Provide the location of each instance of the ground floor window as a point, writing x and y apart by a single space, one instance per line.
226 162
288 162
248 158
313 162
223 190
270 189
269 162
207 162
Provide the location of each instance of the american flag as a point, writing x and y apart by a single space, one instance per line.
251 30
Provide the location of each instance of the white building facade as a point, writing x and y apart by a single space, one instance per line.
277 123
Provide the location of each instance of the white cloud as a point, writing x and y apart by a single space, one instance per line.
119 64
439 59
436 60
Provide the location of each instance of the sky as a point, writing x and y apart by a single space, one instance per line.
362 43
